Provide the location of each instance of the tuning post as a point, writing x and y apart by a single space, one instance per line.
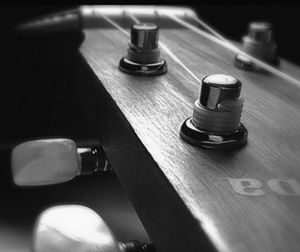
51 161
216 115
78 228
143 54
258 43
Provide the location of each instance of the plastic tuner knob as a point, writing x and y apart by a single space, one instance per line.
78 228
51 161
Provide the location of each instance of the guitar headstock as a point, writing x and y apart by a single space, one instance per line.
191 198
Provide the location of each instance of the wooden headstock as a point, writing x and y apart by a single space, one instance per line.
191 198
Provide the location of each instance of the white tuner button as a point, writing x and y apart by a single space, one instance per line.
51 161
78 228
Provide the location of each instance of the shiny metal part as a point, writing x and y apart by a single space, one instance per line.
218 87
145 36
261 32
258 43
93 159
143 54
205 139
216 114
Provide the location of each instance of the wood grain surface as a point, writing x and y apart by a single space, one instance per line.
185 195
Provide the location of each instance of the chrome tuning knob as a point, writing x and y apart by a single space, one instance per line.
143 54
260 44
78 228
51 161
216 115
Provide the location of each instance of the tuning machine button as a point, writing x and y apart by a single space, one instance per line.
216 115
78 228
51 161
258 43
143 54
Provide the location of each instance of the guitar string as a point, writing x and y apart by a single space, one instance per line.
163 46
168 51
113 23
218 39
228 45
129 14
209 28
207 224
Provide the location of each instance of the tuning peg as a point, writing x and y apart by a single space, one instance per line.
51 161
78 228
258 43
216 115
143 56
